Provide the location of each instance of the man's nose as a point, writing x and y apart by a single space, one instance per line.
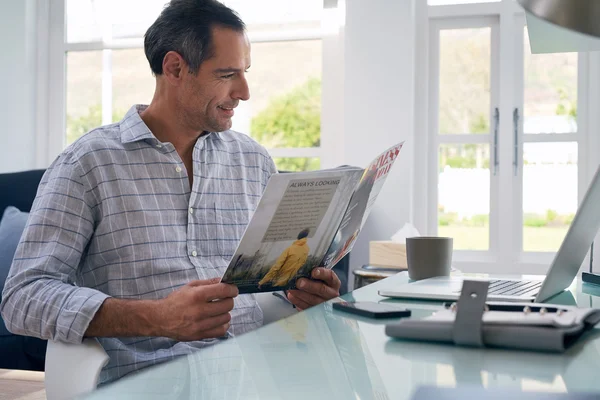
242 91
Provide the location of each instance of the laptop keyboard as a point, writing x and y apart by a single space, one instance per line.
513 288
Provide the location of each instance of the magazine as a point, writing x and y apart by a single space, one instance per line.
305 220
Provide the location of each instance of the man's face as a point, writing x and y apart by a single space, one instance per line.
208 99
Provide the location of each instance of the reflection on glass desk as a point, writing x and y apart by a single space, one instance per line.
474 392
328 354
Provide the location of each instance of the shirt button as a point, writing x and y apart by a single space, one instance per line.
159 146
194 253
191 210
178 169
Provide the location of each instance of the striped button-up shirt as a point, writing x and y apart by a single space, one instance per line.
115 216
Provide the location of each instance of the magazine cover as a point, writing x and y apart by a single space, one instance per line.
291 229
360 205
305 220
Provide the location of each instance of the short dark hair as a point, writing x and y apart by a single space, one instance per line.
185 26
303 233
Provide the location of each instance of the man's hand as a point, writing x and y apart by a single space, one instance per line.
198 310
310 293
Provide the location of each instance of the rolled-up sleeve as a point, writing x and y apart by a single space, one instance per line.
40 297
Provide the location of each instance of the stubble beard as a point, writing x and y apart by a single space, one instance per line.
215 125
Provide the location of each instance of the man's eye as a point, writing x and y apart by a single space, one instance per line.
227 76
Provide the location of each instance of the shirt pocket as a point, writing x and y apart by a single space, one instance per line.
231 220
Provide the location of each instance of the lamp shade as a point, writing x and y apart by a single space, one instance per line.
581 16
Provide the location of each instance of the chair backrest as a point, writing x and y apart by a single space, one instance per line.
73 369
19 189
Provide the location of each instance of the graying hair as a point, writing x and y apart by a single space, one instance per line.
185 26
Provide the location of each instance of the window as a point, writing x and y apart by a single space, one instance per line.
505 141
107 71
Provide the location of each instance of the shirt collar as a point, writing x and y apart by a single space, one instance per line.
133 128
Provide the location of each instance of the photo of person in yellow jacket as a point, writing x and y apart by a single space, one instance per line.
289 262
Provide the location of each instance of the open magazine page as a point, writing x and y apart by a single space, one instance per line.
291 229
360 205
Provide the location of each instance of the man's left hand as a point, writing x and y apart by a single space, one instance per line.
326 286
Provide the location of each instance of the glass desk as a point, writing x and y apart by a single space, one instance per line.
327 354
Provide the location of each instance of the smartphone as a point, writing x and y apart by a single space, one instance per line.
372 309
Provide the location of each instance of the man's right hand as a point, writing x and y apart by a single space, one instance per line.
198 310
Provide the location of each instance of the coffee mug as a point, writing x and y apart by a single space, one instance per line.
428 256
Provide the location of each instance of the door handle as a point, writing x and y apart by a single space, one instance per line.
516 141
496 125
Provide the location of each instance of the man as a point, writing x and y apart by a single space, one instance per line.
134 224
289 262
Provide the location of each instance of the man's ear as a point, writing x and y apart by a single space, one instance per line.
174 67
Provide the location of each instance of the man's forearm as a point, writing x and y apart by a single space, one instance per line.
125 318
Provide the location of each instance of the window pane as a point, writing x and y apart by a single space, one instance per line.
550 92
297 164
284 109
278 15
89 20
132 81
549 194
465 60
464 195
84 93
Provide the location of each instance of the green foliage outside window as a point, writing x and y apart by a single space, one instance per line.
292 120
297 164
567 106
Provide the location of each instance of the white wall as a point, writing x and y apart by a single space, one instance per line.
18 83
378 96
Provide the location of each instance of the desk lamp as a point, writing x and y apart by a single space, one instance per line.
580 20
577 15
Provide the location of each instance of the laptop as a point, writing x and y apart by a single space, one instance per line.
563 270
